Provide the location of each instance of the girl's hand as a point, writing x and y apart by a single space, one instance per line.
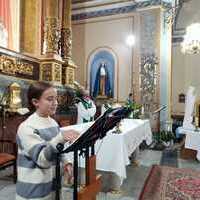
68 168
70 135
68 174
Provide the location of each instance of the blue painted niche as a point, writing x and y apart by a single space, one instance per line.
100 57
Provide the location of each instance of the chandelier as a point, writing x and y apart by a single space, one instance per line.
191 42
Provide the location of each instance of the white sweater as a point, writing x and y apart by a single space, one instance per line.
37 138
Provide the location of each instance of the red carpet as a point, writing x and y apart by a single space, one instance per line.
168 183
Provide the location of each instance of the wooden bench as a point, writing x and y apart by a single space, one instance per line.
7 159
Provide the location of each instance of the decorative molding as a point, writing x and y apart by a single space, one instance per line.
52 35
176 40
120 10
77 8
51 72
18 55
17 65
46 72
178 35
76 3
70 76
68 72
12 66
171 14
66 43
149 82
58 73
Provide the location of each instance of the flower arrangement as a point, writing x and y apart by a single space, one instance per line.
136 109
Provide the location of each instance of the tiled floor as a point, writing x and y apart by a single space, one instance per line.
149 157
131 186
7 189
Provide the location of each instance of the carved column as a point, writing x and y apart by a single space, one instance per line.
153 65
52 28
29 27
52 32
66 44
51 66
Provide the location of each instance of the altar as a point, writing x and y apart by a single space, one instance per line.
114 150
192 140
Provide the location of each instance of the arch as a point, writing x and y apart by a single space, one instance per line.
98 56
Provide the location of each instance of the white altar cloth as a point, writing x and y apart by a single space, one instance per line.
114 150
192 139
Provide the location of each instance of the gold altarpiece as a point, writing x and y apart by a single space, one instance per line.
48 37
38 56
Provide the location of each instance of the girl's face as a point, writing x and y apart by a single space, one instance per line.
47 103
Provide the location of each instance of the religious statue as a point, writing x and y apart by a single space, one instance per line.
102 87
102 80
189 108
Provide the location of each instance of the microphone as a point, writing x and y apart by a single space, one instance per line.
60 147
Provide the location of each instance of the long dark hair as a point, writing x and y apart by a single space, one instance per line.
35 91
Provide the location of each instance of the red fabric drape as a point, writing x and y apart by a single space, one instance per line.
5 17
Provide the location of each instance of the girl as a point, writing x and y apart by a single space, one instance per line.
37 138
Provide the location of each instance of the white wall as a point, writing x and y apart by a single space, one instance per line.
109 33
185 67
190 13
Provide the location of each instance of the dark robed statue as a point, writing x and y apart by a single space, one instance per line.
102 87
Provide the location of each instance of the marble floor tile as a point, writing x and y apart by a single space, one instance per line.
130 188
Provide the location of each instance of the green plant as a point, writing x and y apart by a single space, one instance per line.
164 136
136 109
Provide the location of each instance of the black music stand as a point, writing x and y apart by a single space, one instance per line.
85 145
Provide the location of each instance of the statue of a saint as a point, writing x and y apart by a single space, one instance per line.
189 108
102 80
102 87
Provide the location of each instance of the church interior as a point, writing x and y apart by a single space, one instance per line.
101 56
